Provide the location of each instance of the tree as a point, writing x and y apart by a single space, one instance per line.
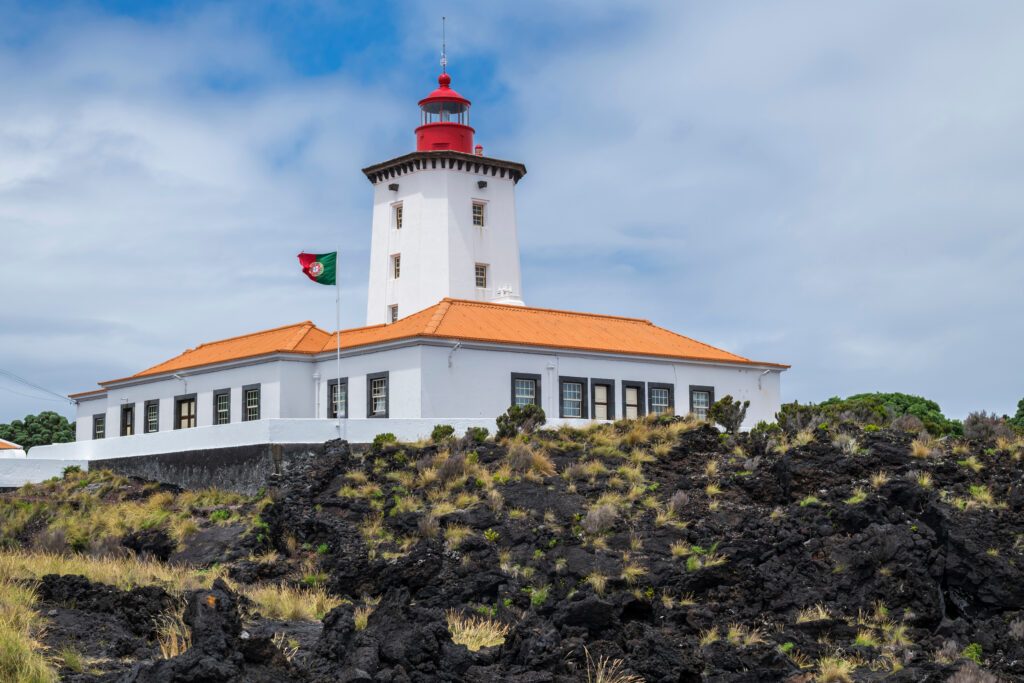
520 419
729 413
39 430
1017 421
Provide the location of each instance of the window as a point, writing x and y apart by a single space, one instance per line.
337 405
152 417
525 389
185 411
478 214
572 392
396 216
701 399
632 400
99 426
660 398
481 275
602 393
251 402
396 265
222 407
393 313
377 395
128 419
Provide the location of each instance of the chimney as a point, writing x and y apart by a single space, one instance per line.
479 149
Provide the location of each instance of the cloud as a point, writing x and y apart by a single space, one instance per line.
832 186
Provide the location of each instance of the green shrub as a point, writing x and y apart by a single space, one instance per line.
874 408
973 653
220 515
520 420
729 413
985 428
322 549
478 434
71 469
442 433
382 440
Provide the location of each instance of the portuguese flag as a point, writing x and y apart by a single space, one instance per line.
320 268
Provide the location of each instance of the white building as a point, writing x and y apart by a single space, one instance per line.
448 338
9 449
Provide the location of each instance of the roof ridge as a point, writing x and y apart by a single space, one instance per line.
700 343
251 334
492 304
435 321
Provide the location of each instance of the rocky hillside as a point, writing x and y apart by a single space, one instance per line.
640 551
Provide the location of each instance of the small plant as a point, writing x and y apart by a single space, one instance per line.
220 515
597 581
72 659
538 594
599 519
173 636
728 413
442 433
859 496
809 500
972 463
816 613
606 670
879 479
835 669
920 448
477 434
709 636
631 573
382 440
973 653
491 535
865 638
455 534
70 470
520 420
475 632
846 443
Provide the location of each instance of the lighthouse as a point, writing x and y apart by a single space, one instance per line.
444 218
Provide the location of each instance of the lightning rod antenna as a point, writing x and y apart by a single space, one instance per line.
444 56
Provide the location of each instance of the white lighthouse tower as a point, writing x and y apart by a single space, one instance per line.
444 218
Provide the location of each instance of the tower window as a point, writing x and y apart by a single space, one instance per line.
393 313
478 214
481 275
396 265
396 216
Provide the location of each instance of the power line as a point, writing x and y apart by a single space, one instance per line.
24 381
32 396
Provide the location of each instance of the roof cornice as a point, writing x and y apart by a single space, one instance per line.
418 161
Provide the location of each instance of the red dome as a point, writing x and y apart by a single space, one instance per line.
444 93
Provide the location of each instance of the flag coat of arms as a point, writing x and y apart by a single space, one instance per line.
321 268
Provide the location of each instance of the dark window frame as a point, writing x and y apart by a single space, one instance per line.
178 400
610 384
331 383
584 389
369 394
145 416
99 418
128 409
699 387
641 397
525 375
671 395
217 394
259 402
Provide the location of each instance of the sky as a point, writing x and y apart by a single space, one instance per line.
836 186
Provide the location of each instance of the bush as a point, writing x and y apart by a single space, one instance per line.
875 408
39 430
729 413
70 469
520 420
478 434
1017 421
985 428
599 519
382 440
442 433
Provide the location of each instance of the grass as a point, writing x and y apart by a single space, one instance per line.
597 581
859 496
475 632
173 636
920 448
455 534
632 572
865 638
972 463
361 616
21 657
606 670
879 479
709 636
835 670
809 500
816 613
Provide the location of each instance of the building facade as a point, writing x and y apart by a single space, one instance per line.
448 337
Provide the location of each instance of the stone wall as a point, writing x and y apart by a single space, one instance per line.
244 469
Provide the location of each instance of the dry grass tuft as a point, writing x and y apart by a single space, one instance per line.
21 657
173 635
475 632
606 670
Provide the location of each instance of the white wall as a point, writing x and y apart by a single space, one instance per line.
478 383
438 243
403 368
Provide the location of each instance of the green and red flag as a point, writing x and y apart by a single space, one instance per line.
320 268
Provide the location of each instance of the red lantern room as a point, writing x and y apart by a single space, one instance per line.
444 120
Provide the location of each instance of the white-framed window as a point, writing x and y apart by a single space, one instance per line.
396 215
700 402
572 399
339 399
377 395
525 389
222 408
152 416
481 275
393 313
251 396
661 400
396 265
479 209
99 426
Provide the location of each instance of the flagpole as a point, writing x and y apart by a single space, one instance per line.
337 318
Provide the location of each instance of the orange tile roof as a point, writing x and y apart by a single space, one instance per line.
8 445
470 321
